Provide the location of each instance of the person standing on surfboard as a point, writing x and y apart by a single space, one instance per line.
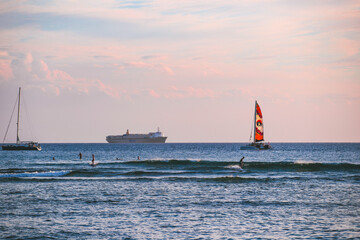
80 155
241 163
93 160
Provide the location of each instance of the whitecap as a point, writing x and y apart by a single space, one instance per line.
304 162
234 167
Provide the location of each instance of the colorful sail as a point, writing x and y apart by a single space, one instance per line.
259 129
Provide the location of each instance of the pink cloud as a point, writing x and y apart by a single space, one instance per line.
63 76
44 66
174 92
212 71
346 47
149 66
5 69
28 61
154 94
200 92
168 70
107 89
45 69
139 64
4 54
52 79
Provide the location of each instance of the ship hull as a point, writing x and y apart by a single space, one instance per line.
20 148
136 140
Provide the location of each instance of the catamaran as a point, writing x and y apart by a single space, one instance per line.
20 145
258 141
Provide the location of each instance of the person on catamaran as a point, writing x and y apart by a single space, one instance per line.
80 155
241 163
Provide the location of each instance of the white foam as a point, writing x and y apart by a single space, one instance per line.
304 162
234 167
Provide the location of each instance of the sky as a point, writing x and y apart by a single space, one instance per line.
194 69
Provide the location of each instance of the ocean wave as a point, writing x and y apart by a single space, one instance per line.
182 168
143 177
35 174
202 165
219 179
285 166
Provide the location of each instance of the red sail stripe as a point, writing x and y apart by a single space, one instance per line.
258 110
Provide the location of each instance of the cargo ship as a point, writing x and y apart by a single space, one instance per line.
151 137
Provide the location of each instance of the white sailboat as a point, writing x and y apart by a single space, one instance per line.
258 141
20 145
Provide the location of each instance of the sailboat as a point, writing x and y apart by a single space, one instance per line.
20 145
258 141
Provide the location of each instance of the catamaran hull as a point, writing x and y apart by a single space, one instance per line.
21 148
256 147
137 140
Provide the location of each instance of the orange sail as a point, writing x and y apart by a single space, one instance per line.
259 129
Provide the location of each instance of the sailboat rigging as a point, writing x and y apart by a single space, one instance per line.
258 140
20 145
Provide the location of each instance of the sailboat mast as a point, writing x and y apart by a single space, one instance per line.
255 122
18 120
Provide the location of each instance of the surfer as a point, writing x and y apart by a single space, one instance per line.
241 163
138 157
80 155
53 158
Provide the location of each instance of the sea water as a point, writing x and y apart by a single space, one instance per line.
181 191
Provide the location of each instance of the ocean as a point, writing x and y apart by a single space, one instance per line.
181 191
